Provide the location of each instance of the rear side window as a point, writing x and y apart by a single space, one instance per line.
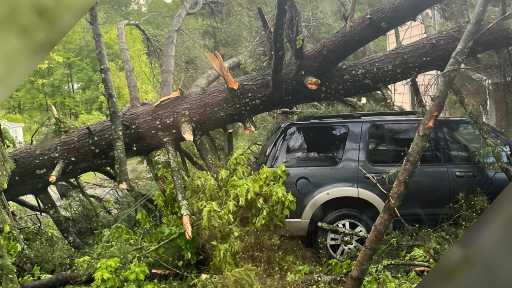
313 146
461 139
388 144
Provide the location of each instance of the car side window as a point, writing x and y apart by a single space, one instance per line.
388 144
463 142
313 146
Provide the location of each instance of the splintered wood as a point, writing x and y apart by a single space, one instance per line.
312 83
219 66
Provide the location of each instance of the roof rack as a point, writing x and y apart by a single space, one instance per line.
357 115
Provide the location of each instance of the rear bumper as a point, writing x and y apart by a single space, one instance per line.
296 227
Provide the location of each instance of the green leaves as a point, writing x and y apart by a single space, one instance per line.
110 274
238 202
106 274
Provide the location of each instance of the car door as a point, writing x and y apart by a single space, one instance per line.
317 156
462 143
385 146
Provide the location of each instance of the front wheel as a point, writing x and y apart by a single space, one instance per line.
349 239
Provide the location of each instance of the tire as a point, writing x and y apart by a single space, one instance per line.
335 245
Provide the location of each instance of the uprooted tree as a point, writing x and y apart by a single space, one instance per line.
317 74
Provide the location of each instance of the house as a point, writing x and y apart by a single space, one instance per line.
16 131
402 97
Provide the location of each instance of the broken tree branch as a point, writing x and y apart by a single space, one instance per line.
416 96
267 29
56 172
25 204
211 76
293 29
179 189
191 159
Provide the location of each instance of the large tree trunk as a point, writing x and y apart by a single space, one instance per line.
115 117
90 148
389 212
362 31
60 280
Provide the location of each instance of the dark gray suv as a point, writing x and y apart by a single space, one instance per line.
330 160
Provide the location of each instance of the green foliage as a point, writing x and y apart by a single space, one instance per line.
107 273
111 274
240 277
46 251
237 201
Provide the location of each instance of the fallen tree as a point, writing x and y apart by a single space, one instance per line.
146 127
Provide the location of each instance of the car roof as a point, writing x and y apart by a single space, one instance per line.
367 117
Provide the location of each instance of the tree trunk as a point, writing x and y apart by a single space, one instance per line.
64 226
418 145
378 21
90 148
60 280
115 117
131 82
168 61
278 51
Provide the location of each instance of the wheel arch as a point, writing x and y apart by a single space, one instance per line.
341 197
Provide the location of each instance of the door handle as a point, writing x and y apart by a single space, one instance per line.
462 174
376 176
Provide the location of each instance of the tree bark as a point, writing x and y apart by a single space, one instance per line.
65 227
362 264
278 50
59 280
115 117
168 58
267 30
325 56
417 98
131 82
90 148
294 33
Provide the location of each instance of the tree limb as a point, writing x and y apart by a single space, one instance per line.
267 29
278 48
25 204
294 34
167 61
115 117
211 76
59 280
133 89
365 29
